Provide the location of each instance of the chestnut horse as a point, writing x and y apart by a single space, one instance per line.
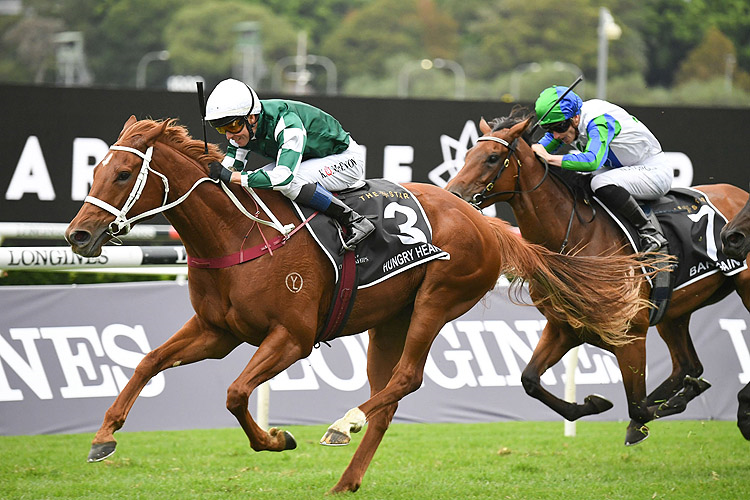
250 302
503 167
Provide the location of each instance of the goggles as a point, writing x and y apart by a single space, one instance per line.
232 127
559 127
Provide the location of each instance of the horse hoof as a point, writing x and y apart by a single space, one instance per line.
699 384
100 451
599 403
335 438
289 442
635 433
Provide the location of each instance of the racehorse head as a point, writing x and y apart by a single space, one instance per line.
491 168
127 184
735 237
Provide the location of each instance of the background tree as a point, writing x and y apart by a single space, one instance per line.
368 37
31 39
317 19
201 39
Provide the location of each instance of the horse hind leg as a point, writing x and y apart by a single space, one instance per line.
683 384
383 352
193 342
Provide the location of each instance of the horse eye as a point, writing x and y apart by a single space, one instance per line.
123 176
493 158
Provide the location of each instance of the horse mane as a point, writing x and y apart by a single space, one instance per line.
575 182
178 137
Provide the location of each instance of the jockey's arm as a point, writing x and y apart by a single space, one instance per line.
290 135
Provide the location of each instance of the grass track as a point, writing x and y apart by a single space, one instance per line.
508 460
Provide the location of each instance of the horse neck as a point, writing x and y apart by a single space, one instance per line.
208 222
544 206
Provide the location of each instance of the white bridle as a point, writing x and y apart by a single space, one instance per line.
122 222
494 139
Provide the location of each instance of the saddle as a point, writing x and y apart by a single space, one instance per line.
402 239
692 226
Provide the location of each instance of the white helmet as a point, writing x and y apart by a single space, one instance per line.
230 99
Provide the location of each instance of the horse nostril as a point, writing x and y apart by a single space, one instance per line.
80 237
456 194
732 238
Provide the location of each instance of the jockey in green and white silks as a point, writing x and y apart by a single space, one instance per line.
313 155
625 159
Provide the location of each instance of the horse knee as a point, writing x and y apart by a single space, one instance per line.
236 400
406 383
530 381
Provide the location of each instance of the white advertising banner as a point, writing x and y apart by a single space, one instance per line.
67 351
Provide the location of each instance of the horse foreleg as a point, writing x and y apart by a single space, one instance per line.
673 395
278 351
195 341
553 344
386 344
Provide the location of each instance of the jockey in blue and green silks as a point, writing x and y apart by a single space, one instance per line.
625 159
313 155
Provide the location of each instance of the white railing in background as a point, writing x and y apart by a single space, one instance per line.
56 231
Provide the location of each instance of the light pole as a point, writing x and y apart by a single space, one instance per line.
607 30
302 75
140 74
518 72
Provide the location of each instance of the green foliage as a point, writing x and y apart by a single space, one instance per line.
369 37
128 30
317 18
682 460
201 38
370 41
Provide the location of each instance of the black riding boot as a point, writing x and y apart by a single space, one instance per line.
358 226
622 203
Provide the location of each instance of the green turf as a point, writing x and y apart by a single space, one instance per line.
509 460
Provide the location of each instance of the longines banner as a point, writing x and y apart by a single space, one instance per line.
67 351
53 137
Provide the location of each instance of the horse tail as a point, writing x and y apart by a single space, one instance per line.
600 295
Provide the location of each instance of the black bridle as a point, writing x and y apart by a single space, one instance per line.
480 198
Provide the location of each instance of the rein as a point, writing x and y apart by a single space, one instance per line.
121 224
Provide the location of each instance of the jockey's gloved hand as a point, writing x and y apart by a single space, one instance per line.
219 172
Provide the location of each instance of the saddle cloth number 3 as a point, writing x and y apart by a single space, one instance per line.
408 233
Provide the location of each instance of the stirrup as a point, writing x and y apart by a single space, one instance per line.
358 234
651 243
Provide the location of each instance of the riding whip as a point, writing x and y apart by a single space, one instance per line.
202 105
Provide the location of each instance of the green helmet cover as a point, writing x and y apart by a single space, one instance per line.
568 107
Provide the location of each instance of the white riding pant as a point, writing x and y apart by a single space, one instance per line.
337 172
649 181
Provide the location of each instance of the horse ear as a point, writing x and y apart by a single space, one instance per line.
484 127
520 127
128 124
